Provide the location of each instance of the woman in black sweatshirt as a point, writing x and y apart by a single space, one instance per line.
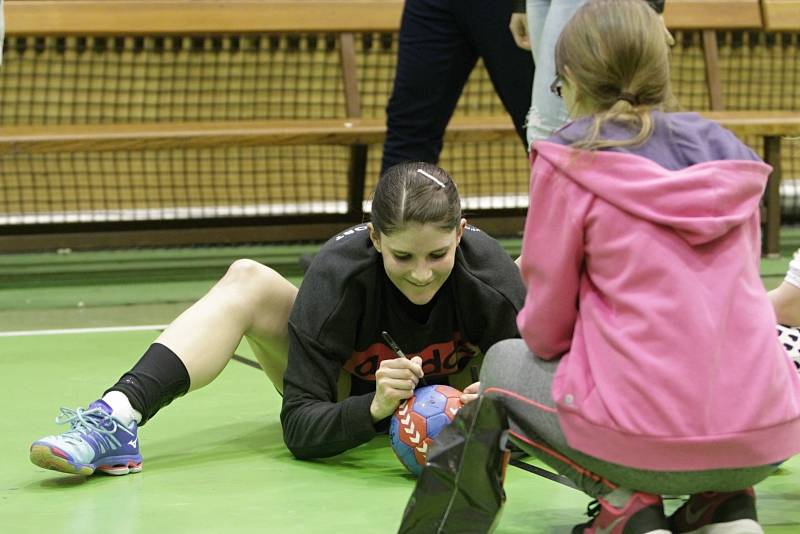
444 290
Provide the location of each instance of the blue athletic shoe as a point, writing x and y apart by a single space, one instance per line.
96 441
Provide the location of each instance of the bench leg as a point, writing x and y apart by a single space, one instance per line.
770 245
356 179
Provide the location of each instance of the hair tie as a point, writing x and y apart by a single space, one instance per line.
432 177
630 98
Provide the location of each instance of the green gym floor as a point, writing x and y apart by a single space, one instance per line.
215 460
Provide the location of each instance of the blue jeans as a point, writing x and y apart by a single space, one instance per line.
440 42
546 19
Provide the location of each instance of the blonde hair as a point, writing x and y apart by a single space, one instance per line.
617 58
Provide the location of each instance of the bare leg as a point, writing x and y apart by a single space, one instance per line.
786 301
251 301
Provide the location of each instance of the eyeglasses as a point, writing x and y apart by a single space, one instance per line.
557 86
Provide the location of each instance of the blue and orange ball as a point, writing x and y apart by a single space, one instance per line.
419 420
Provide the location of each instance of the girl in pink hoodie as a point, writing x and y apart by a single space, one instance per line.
648 363
645 318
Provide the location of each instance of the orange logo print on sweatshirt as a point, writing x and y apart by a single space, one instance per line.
437 358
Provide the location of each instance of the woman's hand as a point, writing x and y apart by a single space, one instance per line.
470 393
519 30
395 381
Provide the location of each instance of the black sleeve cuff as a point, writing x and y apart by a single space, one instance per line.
358 419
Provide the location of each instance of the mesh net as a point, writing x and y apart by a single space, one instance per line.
761 71
91 80
119 80
67 187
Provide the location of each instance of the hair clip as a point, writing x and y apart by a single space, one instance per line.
432 177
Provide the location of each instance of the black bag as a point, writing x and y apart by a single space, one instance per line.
460 489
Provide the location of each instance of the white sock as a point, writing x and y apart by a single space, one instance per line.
121 407
618 498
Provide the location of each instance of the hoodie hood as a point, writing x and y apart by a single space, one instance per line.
701 202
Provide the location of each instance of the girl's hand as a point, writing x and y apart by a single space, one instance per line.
470 393
519 30
395 381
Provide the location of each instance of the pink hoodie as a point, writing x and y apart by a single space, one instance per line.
645 281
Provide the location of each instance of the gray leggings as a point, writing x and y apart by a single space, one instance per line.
511 371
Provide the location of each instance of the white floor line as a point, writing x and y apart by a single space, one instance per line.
62 331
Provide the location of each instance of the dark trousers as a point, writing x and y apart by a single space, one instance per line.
440 42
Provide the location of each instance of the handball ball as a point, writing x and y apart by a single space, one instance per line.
418 420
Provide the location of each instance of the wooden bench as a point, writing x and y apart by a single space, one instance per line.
356 132
342 19
156 17
118 17
770 125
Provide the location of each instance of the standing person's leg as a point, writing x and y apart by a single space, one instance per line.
510 67
536 12
251 301
433 63
546 19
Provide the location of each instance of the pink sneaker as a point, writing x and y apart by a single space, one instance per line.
717 513
642 514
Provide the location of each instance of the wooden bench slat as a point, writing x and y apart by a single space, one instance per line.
143 17
66 138
761 123
712 14
781 15
154 136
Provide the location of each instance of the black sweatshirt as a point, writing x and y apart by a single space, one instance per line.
346 301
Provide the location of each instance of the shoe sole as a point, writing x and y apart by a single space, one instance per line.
43 456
